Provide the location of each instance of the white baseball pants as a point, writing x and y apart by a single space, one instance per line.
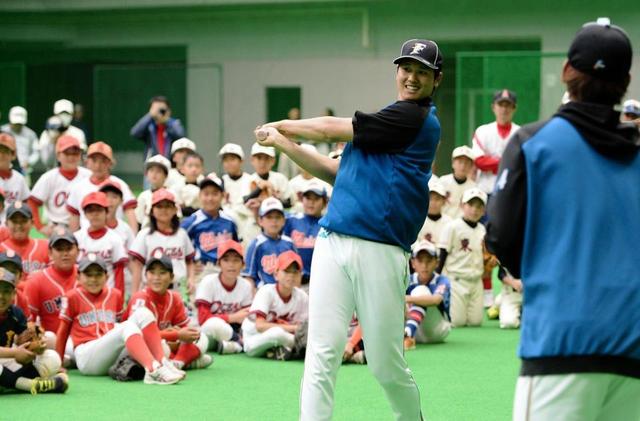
467 305
94 358
216 330
257 344
350 274
434 327
577 397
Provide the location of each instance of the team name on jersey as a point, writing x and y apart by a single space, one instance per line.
268 263
107 255
60 199
464 245
171 252
96 316
210 240
301 241
10 196
218 307
273 316
53 305
29 266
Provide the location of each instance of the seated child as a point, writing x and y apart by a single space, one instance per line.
263 251
98 338
21 368
277 309
427 299
223 300
186 345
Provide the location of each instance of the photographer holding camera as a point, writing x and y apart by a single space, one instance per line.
158 129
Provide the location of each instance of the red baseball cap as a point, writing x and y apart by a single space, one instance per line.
287 258
101 148
162 194
8 141
65 142
95 198
230 245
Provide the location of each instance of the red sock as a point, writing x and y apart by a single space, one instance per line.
151 335
139 351
486 282
416 315
187 353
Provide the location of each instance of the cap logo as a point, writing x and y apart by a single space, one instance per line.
157 254
417 48
17 204
60 231
10 253
599 65
91 257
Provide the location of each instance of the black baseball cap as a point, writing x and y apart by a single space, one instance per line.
163 259
425 51
601 50
505 95
8 277
19 207
211 179
12 257
62 233
90 260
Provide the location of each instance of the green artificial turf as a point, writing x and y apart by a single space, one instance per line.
470 377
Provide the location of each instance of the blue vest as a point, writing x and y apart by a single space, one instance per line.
578 302
384 197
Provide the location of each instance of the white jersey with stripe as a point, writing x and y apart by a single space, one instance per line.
52 191
268 303
487 141
109 247
213 292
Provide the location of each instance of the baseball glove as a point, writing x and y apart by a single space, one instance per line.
126 369
33 335
299 342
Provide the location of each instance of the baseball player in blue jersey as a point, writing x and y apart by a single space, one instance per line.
209 226
377 208
263 252
558 181
303 227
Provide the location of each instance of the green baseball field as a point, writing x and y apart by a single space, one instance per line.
470 377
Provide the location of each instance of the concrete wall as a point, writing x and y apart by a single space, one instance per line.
338 52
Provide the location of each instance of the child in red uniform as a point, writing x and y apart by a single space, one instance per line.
45 288
187 345
32 251
90 315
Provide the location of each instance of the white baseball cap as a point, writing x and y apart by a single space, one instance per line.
314 186
437 187
17 115
472 193
182 143
267 150
425 245
232 149
158 160
462 151
269 204
630 106
63 106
